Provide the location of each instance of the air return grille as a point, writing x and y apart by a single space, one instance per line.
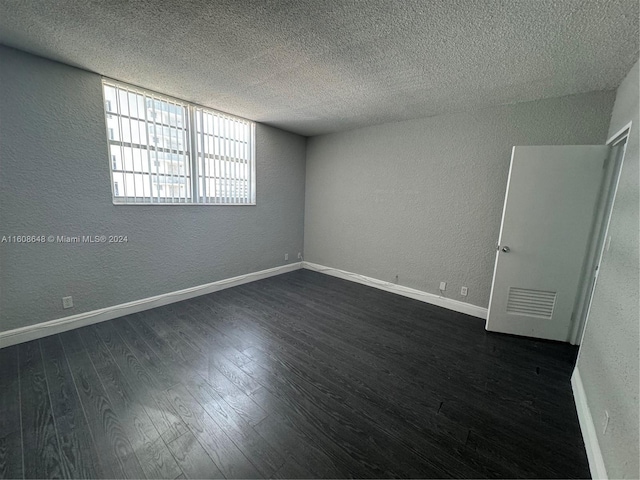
534 303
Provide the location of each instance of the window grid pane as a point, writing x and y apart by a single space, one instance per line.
149 157
224 149
150 140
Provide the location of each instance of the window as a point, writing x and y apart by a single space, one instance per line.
164 150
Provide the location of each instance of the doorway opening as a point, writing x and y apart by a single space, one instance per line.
600 233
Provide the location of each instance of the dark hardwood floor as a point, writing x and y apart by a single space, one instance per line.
297 376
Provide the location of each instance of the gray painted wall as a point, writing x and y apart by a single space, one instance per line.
423 199
54 179
609 359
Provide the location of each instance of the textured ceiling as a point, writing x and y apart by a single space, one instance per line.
313 66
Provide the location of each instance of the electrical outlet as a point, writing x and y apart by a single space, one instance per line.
67 302
463 291
286 256
443 286
606 421
299 255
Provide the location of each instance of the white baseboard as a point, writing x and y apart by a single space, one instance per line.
596 462
39 330
448 303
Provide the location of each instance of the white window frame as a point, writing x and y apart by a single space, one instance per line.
196 157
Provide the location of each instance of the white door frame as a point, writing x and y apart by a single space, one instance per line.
585 293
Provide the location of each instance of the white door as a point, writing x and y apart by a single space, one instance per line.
546 228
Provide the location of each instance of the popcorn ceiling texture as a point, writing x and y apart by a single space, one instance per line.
55 180
609 356
314 67
422 199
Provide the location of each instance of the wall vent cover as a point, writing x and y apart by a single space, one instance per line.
533 303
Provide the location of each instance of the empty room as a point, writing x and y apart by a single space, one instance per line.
307 239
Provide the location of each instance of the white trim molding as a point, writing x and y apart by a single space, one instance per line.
437 300
44 329
620 134
596 462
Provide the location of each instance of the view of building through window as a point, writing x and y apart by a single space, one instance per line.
156 143
223 148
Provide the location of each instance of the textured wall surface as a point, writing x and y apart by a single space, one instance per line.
422 199
54 179
315 67
609 358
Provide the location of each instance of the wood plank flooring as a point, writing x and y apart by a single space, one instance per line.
297 376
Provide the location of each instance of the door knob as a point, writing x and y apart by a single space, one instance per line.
506 249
